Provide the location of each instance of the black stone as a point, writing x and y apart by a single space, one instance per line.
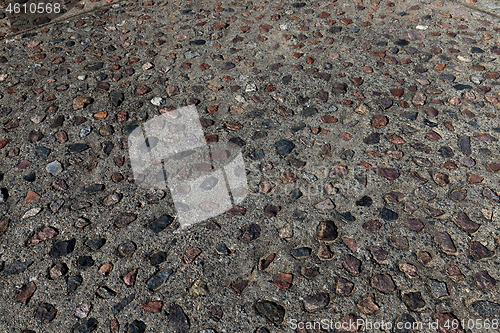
486 309
365 201
222 249
347 154
95 244
388 214
271 310
177 320
310 112
258 154
85 261
227 66
372 139
117 98
405 319
298 127
4 194
15 268
157 258
42 151
107 147
130 128
446 152
347 216
402 42
410 115
160 223
448 77
45 312
251 233
58 121
78 148
156 281
182 154
94 188
296 194
237 141
122 304
87 326
301 252
95 67
413 300
462 86
30 178
284 147
198 42
385 103
476 50
105 292
73 283
62 248
136 326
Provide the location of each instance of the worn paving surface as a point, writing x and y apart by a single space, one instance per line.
382 203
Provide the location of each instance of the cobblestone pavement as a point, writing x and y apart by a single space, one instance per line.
369 133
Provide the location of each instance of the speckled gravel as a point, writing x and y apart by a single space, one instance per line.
369 131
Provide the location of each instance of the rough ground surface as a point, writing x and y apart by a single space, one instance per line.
384 208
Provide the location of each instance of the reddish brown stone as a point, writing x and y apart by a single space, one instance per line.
444 240
153 306
283 280
400 242
142 89
454 273
344 287
464 222
493 167
415 224
43 235
383 282
379 121
372 225
352 264
388 173
424 257
441 179
368 305
191 254
220 26
480 252
265 28
239 285
396 139
4 142
324 253
475 179
484 280
114 326
445 321
397 92
237 211
4 226
130 278
31 196
25 293
265 262
106 269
